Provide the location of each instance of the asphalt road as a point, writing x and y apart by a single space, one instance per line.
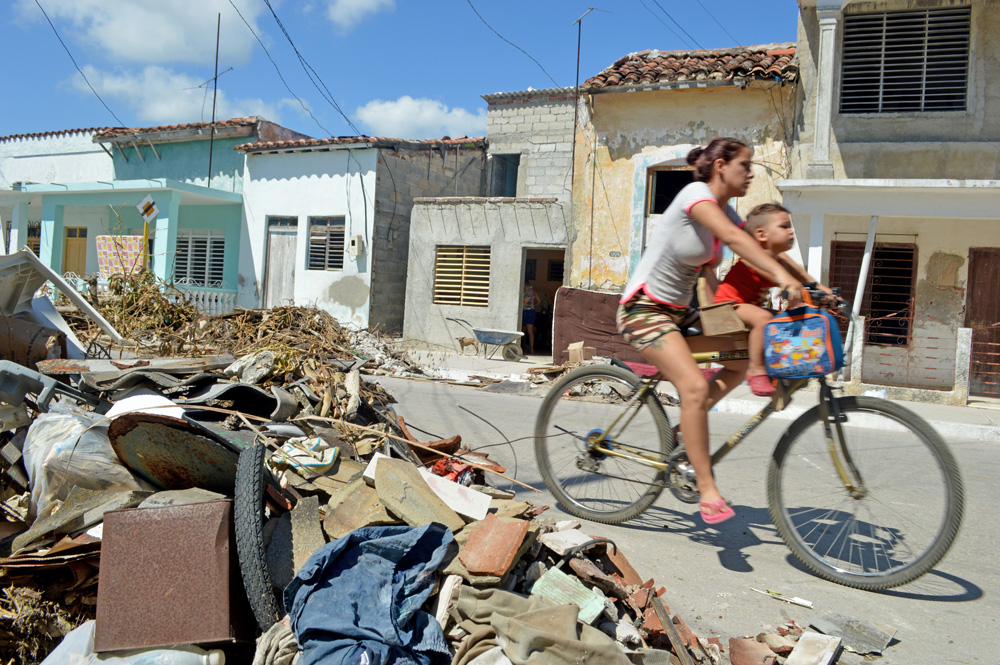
947 616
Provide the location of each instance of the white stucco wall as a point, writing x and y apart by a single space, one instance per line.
304 185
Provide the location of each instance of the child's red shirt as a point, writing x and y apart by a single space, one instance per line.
744 285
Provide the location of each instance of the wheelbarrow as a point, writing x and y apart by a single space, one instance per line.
508 342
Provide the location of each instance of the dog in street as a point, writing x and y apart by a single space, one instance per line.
467 341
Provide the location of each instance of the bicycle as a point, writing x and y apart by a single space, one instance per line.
863 491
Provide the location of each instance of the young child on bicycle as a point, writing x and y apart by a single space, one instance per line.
771 226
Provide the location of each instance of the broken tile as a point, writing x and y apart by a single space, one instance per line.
813 649
492 546
687 635
566 525
307 532
861 636
778 643
403 491
749 652
641 598
561 588
588 571
561 542
354 506
465 501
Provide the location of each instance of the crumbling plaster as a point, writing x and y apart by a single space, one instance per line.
621 136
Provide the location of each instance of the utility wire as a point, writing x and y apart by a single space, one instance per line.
736 42
76 65
679 26
511 43
665 24
287 87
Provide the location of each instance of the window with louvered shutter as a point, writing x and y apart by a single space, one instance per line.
200 257
326 243
462 276
908 61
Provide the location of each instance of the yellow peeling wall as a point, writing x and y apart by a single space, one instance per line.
621 135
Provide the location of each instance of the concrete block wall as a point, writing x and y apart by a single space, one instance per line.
401 176
538 126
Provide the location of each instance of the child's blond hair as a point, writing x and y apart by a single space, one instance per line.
759 216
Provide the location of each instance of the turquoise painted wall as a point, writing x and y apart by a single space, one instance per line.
186 161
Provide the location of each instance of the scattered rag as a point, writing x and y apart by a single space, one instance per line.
530 630
358 598
277 646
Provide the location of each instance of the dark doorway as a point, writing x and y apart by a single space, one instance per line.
662 186
982 314
544 270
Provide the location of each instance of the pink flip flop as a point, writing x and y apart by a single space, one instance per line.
724 512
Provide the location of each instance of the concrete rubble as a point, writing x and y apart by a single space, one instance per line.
336 462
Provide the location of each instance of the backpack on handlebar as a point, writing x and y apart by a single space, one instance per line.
801 343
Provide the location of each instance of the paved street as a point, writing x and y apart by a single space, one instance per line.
947 616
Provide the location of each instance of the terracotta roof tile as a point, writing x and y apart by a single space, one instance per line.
376 141
249 121
58 132
767 62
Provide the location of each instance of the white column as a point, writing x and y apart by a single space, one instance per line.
19 226
821 166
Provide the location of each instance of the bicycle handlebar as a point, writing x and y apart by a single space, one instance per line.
822 298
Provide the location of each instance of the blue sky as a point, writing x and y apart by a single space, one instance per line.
398 68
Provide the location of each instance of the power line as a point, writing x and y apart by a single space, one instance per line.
665 24
76 65
287 87
680 27
511 43
736 42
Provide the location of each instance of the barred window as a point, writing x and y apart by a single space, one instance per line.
888 299
326 243
200 257
906 61
462 276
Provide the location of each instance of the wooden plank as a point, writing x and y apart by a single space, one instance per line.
102 369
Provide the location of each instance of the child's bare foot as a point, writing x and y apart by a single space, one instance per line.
760 384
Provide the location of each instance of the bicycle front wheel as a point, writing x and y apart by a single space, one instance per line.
901 513
595 441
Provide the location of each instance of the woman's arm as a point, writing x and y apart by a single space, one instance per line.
710 215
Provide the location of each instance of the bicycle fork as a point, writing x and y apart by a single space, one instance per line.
836 444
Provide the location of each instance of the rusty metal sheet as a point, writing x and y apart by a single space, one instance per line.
170 576
174 453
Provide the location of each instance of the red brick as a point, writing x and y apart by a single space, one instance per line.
641 598
717 642
493 545
687 635
615 562
749 652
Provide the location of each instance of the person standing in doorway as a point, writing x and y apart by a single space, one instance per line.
530 301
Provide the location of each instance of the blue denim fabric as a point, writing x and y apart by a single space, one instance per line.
361 596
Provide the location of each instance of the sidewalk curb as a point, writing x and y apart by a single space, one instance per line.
949 430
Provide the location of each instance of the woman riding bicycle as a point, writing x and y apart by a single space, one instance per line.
657 298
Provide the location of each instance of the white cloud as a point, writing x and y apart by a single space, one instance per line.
159 96
154 31
409 118
347 13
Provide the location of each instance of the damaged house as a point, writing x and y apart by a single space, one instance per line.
895 165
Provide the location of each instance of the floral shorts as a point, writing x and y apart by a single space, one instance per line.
642 320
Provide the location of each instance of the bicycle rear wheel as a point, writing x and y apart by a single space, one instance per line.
905 515
575 415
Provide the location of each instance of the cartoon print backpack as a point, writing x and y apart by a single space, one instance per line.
802 343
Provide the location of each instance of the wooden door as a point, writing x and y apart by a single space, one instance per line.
279 277
75 251
982 314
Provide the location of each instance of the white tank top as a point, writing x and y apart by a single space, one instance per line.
679 249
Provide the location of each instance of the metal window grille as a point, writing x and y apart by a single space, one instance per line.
35 237
326 243
888 300
200 257
908 61
556 271
462 276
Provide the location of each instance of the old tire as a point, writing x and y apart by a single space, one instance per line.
249 519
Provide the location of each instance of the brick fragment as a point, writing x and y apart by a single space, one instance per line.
493 545
687 635
749 652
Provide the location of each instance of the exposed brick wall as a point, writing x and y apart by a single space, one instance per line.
539 127
402 176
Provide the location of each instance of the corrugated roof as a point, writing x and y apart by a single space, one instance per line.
58 132
765 62
114 132
373 141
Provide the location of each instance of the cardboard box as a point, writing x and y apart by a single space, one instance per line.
578 352
170 576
